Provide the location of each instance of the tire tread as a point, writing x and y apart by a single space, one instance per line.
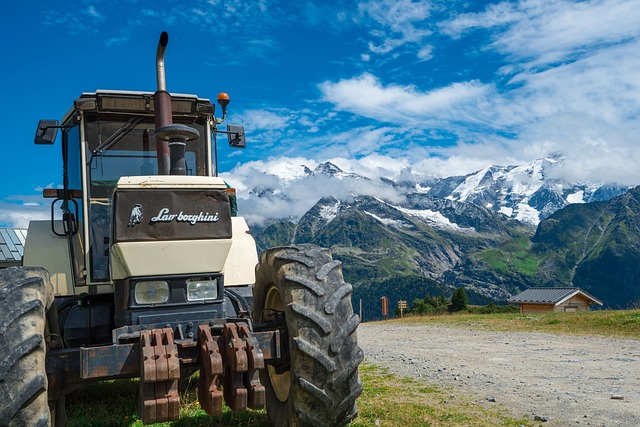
322 331
25 296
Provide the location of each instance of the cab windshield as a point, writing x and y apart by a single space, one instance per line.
118 147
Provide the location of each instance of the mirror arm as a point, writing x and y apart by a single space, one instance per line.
216 130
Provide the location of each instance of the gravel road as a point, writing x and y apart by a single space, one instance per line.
567 381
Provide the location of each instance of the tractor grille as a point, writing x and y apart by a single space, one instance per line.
161 214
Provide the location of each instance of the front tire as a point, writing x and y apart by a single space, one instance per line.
321 384
25 296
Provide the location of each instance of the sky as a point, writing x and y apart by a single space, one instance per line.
444 87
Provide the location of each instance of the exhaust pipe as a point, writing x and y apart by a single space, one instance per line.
171 139
160 75
162 106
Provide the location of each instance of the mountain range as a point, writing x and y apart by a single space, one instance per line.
496 231
527 193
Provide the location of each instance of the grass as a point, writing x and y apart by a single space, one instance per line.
513 256
389 401
606 323
115 403
386 401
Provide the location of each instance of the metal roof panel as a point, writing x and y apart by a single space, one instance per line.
548 296
12 244
5 253
6 238
542 295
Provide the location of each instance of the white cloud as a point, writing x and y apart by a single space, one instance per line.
374 166
573 67
294 193
552 31
74 22
291 192
425 53
568 84
93 12
365 95
15 215
398 15
493 16
264 119
397 22
244 173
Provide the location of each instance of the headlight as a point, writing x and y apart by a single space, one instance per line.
199 290
152 292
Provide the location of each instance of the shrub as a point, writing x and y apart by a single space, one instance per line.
429 305
459 300
491 308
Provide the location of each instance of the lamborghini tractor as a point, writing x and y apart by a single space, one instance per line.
144 270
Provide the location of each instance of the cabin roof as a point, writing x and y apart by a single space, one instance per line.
555 296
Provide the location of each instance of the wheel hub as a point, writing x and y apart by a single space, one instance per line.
281 383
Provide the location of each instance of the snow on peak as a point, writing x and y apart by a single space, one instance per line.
470 184
329 212
577 197
333 171
526 192
387 221
506 211
327 168
527 214
523 180
288 171
526 179
434 218
421 189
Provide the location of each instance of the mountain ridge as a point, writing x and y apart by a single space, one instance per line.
459 231
594 246
528 192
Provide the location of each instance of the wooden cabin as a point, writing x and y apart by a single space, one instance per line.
537 300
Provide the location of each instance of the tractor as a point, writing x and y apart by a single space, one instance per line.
145 270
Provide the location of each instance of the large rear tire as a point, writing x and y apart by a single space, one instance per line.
321 384
25 296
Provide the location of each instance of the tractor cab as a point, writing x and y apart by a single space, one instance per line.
118 135
108 135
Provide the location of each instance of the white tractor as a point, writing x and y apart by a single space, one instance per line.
148 272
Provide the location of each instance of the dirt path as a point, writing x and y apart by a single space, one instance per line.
586 381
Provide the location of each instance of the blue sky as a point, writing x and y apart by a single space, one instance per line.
445 87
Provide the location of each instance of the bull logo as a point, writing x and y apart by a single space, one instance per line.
135 217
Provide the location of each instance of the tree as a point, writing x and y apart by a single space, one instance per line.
459 300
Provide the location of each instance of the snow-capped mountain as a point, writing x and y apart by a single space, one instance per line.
287 171
428 238
528 193
474 231
328 169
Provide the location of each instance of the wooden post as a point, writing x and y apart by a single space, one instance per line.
361 318
402 305
385 307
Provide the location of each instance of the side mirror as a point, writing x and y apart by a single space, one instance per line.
46 132
235 133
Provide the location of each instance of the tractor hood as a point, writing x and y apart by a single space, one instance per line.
165 225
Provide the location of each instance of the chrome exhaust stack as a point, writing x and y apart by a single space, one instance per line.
160 74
